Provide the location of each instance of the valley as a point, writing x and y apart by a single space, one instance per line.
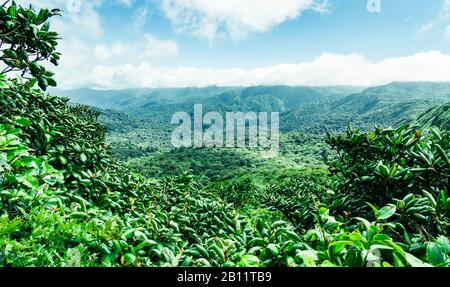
139 128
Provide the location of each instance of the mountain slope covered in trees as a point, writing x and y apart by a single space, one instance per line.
301 108
142 135
438 117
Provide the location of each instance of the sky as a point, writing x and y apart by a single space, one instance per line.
117 44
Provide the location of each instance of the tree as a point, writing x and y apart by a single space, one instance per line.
26 40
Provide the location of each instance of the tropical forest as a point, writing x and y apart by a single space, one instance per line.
89 177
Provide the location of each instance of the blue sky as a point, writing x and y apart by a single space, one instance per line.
153 43
347 27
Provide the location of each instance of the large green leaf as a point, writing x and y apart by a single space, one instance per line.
387 212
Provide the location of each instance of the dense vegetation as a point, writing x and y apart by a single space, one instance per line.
436 117
139 127
379 199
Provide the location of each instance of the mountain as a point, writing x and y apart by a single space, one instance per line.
436 117
134 98
313 110
386 105
430 90
155 107
141 99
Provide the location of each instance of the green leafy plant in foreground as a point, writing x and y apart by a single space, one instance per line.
403 167
26 40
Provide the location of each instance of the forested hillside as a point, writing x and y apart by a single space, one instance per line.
436 117
378 197
139 132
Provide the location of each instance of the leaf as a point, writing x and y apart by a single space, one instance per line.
3 85
309 257
364 221
444 243
51 82
277 224
45 27
31 182
273 249
435 255
202 251
218 251
83 157
35 67
414 261
63 160
375 210
248 261
42 82
327 263
12 11
10 54
75 258
383 170
78 215
387 212
443 154
128 259
22 122
339 245
430 197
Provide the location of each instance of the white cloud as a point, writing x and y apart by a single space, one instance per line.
84 47
327 69
234 18
85 64
80 18
443 17
155 47
91 61
127 3
446 8
135 52
141 16
426 28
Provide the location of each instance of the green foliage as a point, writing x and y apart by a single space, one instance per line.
238 192
436 117
402 165
65 201
172 222
296 197
26 40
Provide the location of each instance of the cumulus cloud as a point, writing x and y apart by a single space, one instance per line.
327 69
93 64
91 61
84 47
136 52
234 18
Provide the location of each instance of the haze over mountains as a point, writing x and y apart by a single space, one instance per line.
311 109
124 99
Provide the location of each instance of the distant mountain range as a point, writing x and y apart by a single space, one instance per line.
307 109
142 98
